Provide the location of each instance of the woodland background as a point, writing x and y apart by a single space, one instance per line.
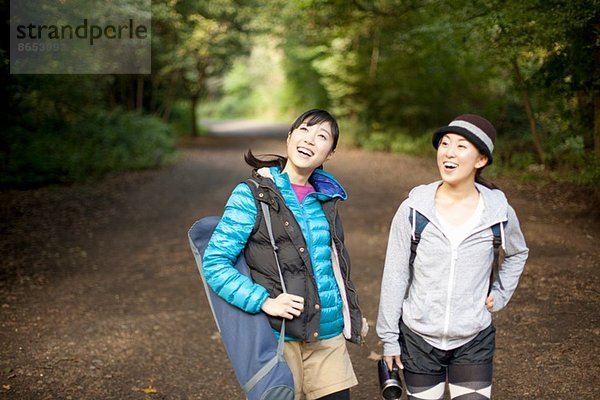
390 70
100 295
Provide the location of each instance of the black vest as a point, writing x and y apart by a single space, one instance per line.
295 261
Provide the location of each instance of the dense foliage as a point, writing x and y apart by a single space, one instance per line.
90 147
391 70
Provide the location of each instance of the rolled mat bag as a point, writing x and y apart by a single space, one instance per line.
255 353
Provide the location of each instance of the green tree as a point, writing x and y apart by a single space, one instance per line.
550 47
412 65
198 42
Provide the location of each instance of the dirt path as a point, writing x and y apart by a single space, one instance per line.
100 297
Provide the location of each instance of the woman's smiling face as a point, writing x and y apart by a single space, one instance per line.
458 159
308 147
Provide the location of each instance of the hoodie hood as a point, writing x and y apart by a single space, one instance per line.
422 199
326 186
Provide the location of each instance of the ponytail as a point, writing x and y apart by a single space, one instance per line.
271 160
484 182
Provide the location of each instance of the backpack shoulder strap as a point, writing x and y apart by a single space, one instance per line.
498 231
418 222
266 214
254 185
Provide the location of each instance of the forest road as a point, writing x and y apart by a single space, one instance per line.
101 299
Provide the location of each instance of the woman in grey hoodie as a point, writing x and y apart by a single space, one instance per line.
435 319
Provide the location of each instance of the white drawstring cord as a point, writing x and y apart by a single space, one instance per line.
414 222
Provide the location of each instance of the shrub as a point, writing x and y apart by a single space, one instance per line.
92 146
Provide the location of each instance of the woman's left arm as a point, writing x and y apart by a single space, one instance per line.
515 255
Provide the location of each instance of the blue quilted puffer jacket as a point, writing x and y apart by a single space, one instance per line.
239 223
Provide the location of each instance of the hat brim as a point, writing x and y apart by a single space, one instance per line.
471 137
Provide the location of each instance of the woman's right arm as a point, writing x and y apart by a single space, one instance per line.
393 284
226 244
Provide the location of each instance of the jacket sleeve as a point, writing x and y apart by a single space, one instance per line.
394 282
225 246
515 255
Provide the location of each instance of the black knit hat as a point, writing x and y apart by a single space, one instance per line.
475 129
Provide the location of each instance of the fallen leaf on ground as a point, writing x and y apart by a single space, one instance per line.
149 390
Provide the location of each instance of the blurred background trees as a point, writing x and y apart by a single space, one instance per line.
390 70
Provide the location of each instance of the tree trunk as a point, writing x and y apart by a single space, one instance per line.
537 140
194 101
111 95
123 91
596 90
166 112
375 54
130 92
169 99
139 96
596 95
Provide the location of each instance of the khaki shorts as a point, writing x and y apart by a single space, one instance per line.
319 368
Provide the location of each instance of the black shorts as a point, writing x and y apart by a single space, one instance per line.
420 357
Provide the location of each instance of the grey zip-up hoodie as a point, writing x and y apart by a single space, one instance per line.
446 300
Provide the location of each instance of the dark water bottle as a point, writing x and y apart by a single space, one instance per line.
389 381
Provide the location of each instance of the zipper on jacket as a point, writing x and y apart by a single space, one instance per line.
308 239
449 296
340 254
285 205
309 271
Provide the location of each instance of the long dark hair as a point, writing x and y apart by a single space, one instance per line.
310 117
484 182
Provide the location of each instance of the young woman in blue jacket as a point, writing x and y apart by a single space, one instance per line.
436 321
321 304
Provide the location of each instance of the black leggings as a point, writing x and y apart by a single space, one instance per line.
342 395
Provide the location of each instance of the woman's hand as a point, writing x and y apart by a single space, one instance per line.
285 305
365 328
390 359
489 303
